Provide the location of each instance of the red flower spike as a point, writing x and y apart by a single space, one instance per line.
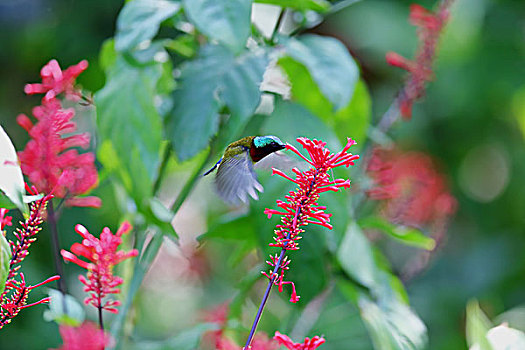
11 306
413 192
48 158
55 81
301 207
308 344
429 27
102 256
85 337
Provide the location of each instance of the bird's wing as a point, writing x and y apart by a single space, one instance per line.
236 179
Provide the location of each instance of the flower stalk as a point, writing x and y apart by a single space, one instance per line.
301 208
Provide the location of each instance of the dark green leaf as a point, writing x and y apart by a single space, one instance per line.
130 126
5 259
477 326
75 313
302 5
214 79
139 20
227 21
329 63
406 235
11 179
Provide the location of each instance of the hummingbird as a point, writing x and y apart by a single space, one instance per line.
236 178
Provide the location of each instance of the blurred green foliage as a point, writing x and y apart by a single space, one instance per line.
475 103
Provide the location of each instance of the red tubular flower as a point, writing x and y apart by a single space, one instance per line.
413 191
301 207
430 25
56 81
16 292
85 337
308 344
11 306
48 160
102 256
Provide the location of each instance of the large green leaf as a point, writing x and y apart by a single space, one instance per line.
329 63
216 78
5 259
356 257
392 325
405 235
130 126
290 120
349 121
11 179
302 5
139 20
227 21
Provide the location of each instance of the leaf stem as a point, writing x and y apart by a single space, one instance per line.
165 159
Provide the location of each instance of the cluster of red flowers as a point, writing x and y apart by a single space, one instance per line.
301 207
103 256
14 297
413 191
308 344
48 159
430 25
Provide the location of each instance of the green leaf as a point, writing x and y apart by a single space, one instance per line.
227 21
405 235
130 125
185 45
329 63
5 259
356 257
139 20
11 178
301 5
160 216
354 119
75 313
216 78
392 325
350 121
477 326
290 120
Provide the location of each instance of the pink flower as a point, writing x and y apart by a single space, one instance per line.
56 81
4 219
413 192
308 344
301 206
430 25
85 337
48 160
11 306
102 256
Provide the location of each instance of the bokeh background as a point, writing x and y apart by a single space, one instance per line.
472 121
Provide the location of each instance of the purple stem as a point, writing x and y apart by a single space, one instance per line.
264 300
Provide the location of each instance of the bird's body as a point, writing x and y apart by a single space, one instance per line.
236 178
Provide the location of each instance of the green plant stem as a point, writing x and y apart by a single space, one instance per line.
188 186
162 169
